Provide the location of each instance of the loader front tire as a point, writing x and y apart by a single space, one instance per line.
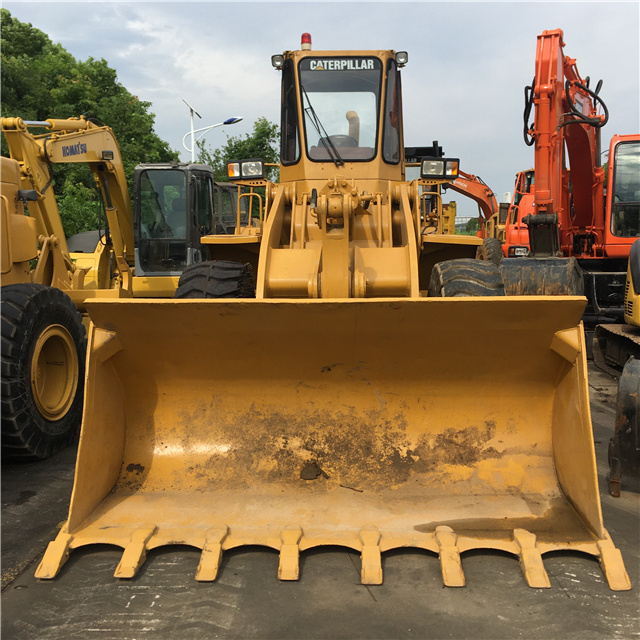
490 250
43 359
465 277
217 279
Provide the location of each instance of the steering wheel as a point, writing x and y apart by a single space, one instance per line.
339 140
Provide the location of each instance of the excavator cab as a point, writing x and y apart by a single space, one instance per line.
174 205
625 190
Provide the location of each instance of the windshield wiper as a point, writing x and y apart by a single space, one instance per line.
322 132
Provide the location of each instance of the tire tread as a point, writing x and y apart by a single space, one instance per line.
465 277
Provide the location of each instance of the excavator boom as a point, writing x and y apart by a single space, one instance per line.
475 188
68 141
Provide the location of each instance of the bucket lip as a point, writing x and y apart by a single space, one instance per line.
496 300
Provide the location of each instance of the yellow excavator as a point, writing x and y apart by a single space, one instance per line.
46 279
348 390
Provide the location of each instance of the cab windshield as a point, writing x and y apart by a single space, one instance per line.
163 221
341 102
625 207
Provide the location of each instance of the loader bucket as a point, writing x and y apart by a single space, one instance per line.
442 424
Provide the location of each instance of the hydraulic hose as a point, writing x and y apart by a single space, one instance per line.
579 116
528 104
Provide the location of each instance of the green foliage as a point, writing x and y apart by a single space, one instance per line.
42 80
263 143
473 226
80 209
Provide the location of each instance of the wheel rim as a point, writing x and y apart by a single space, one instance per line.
54 372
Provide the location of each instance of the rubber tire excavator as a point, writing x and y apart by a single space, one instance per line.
347 399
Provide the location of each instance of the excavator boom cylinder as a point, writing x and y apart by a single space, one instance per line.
370 424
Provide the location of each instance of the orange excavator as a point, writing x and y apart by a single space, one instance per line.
579 240
507 226
475 188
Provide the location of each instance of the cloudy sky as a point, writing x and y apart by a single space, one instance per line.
464 85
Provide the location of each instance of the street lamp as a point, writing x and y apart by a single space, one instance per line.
201 131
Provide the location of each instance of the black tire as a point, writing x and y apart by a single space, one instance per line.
465 277
490 251
43 361
217 279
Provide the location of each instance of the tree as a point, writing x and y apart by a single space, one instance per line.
42 80
263 143
82 208
473 226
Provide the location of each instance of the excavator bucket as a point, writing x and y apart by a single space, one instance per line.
442 424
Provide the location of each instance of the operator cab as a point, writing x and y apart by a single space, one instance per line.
625 203
339 109
173 210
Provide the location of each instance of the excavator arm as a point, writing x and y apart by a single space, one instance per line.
73 140
566 113
473 187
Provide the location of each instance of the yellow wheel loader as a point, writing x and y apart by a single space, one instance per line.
359 398
47 278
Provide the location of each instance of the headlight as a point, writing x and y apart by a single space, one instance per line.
518 252
252 169
432 169
439 168
402 57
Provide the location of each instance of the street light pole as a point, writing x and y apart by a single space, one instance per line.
192 133
191 112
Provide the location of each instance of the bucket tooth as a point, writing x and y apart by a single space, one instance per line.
211 554
55 556
613 566
135 552
531 559
371 572
452 574
289 567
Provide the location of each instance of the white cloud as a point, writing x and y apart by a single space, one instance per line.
464 84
